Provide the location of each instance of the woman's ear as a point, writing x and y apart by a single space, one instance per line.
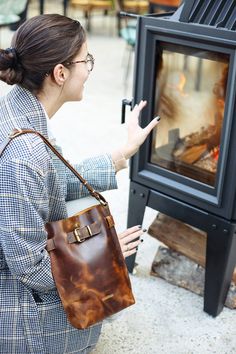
60 74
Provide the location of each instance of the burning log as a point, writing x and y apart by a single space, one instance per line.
196 151
192 154
199 149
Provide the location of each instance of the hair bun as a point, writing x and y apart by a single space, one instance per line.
10 68
12 54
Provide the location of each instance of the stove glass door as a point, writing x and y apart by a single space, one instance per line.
190 91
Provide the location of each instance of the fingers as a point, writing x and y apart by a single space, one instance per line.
136 111
137 134
152 125
130 248
131 237
142 104
138 107
129 253
130 240
130 231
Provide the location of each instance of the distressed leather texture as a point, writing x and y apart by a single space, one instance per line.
91 276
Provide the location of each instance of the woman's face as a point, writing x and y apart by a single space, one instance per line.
78 74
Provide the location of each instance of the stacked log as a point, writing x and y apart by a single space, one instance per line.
181 261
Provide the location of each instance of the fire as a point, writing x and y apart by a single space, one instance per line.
179 86
215 153
182 82
221 103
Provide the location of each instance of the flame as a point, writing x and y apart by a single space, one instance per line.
179 86
221 106
182 82
215 153
221 103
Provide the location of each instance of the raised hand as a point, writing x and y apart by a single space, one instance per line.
136 134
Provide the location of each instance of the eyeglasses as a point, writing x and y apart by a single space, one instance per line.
89 61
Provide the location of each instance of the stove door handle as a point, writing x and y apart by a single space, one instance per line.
125 103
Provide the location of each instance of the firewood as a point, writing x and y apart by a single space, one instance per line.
182 238
193 154
183 272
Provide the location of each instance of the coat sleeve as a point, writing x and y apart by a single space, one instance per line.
23 213
100 173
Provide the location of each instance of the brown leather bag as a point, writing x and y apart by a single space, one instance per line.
86 259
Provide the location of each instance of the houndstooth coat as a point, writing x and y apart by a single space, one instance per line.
34 187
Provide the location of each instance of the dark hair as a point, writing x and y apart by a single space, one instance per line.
38 45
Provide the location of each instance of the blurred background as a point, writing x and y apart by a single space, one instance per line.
166 319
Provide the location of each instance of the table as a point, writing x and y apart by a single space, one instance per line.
163 5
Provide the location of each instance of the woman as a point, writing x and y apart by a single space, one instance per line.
49 63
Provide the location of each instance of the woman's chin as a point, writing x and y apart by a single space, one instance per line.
77 98
80 96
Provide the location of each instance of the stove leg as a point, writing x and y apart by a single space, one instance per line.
137 202
220 263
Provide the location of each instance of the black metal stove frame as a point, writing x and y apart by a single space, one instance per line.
212 209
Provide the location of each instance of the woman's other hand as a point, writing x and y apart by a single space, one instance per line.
136 134
130 240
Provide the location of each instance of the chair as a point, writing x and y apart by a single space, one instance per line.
128 33
90 6
10 12
64 4
127 30
131 6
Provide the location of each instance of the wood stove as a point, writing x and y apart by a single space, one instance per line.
185 67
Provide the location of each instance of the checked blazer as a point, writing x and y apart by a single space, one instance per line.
34 188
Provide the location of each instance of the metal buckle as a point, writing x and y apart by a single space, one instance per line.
78 235
89 230
110 221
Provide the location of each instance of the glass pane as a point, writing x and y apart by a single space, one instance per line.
190 98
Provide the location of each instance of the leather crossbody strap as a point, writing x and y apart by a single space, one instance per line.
18 132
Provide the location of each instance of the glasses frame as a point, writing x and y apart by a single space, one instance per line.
89 59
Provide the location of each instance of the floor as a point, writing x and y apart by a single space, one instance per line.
165 319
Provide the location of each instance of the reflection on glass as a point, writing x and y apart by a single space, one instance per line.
190 98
